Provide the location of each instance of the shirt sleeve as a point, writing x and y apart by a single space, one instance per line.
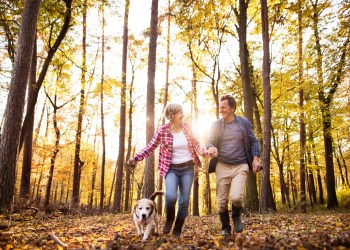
212 135
199 148
149 149
254 143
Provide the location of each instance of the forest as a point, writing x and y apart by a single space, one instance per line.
83 86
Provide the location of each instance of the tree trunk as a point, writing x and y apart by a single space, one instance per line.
28 143
332 200
53 157
41 77
252 200
160 178
93 179
129 171
208 193
149 165
320 188
325 96
312 187
340 167
15 104
195 195
120 160
266 199
302 115
38 189
311 176
344 164
103 136
77 170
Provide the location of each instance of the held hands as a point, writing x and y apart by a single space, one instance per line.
212 152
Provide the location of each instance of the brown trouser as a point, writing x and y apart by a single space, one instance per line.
230 183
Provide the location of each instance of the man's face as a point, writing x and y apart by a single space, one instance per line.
225 110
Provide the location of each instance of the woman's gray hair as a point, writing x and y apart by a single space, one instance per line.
172 108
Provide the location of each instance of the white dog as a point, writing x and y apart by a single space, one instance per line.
145 215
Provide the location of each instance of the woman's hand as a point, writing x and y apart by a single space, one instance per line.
131 161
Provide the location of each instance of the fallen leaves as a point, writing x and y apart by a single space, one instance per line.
262 231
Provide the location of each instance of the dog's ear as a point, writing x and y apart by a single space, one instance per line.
137 203
152 207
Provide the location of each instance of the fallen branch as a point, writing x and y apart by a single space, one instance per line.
58 241
293 208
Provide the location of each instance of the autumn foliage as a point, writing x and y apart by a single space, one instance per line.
318 230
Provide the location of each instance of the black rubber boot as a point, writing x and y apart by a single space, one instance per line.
225 223
170 215
236 216
178 227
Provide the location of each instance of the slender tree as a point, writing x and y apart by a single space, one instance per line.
326 91
266 199
28 143
301 106
55 150
149 165
15 104
120 160
129 169
103 136
77 160
166 93
252 200
194 98
50 54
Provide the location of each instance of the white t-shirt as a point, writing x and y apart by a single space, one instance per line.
180 152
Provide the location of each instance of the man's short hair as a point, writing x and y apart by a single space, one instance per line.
230 99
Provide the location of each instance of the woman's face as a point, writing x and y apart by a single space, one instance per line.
177 117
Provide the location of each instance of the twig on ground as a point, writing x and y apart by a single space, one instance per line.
58 241
293 208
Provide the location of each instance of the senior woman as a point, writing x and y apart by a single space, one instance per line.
178 155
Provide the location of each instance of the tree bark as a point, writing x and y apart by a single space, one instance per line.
41 77
103 135
53 156
28 143
149 165
195 195
120 160
9 143
266 198
77 167
325 96
252 199
129 171
301 115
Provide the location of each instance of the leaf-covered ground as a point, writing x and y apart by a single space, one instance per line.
262 231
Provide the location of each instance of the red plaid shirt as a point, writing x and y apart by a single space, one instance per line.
164 138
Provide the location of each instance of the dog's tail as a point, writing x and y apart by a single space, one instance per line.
155 194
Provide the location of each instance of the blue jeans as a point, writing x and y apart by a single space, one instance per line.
181 179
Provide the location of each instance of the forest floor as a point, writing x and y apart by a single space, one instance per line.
317 230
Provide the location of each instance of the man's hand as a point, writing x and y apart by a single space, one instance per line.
212 152
256 165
